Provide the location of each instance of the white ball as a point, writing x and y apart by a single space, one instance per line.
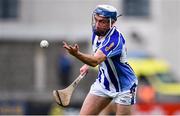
44 44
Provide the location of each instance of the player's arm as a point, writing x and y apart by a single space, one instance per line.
92 60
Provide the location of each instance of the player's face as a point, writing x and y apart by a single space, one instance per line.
101 25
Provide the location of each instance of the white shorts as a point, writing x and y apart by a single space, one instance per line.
124 98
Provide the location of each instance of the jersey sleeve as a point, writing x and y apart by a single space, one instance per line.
113 45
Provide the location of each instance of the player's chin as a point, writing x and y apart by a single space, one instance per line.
100 32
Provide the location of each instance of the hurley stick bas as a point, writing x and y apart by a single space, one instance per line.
63 97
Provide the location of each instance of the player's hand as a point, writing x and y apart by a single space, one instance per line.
84 69
73 50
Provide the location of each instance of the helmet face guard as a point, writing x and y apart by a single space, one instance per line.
105 11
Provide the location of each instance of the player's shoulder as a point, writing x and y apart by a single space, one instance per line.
117 36
117 30
120 33
115 33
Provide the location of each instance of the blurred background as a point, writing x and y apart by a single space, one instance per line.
29 74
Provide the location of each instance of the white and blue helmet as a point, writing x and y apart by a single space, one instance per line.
106 11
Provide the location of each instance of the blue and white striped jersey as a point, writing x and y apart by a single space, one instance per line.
115 74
